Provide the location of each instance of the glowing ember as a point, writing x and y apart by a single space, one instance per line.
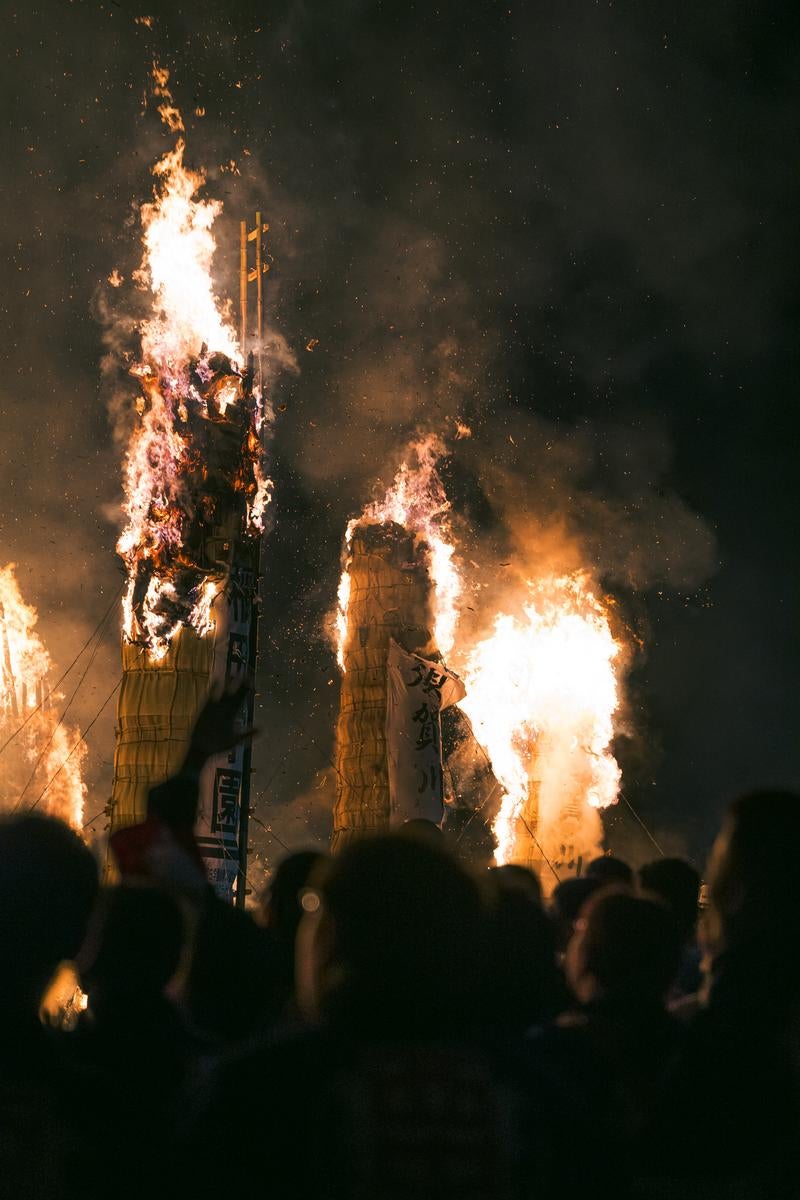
542 692
417 501
193 469
42 763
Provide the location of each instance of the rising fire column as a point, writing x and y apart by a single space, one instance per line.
543 694
42 757
195 498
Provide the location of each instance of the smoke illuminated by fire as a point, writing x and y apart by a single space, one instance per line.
417 501
42 759
542 693
197 444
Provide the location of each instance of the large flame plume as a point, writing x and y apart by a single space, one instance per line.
542 695
197 444
417 501
543 685
42 759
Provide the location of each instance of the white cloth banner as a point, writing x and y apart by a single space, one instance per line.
417 691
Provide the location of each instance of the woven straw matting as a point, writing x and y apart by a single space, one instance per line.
157 707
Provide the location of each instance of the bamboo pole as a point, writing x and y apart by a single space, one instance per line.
259 293
243 287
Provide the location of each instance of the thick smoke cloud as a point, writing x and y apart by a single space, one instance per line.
596 496
569 227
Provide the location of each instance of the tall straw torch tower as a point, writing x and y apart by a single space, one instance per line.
388 600
196 490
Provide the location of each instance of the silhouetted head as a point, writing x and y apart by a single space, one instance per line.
281 913
422 829
608 869
134 944
625 948
511 877
392 938
280 905
48 885
754 900
230 987
522 983
677 885
566 904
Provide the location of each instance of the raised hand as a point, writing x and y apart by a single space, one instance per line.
219 726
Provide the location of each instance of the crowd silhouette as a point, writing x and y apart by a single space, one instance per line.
392 1023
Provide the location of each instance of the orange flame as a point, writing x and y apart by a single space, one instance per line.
542 694
417 501
179 251
197 444
42 763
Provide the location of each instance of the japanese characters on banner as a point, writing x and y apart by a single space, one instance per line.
219 818
417 692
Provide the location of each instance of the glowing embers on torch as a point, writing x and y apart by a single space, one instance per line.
416 502
542 693
42 759
193 481
194 476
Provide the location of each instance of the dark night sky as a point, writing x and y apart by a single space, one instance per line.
570 224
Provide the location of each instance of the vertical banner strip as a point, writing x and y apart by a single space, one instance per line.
417 692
